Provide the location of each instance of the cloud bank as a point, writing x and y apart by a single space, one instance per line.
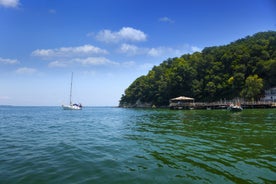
69 56
9 3
25 70
132 50
69 51
89 55
8 61
88 61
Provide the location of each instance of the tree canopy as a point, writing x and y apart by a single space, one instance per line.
244 68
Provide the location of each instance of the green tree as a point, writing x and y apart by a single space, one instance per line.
252 88
245 68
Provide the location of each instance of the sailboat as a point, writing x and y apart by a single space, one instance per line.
72 106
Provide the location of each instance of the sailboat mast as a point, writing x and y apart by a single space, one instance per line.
71 89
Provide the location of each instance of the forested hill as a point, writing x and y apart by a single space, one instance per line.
244 68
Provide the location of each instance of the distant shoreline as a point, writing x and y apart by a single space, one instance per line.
111 106
206 105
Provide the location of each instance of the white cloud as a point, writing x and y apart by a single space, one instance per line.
129 49
26 70
166 19
43 52
69 51
95 61
107 36
157 51
124 34
132 50
154 52
9 3
172 52
161 51
8 61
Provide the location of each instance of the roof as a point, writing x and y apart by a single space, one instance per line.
182 98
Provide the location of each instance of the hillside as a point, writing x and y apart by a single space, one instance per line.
244 68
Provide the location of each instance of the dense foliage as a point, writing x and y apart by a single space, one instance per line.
244 68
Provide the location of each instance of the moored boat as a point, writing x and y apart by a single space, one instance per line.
72 106
235 108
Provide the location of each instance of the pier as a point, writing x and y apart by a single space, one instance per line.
220 105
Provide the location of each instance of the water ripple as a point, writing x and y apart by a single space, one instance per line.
112 145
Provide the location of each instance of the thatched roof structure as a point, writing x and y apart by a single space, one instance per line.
182 98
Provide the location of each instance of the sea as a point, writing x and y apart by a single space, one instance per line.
115 145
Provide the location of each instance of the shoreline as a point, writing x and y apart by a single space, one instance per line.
204 105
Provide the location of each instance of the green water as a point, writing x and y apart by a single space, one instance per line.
113 145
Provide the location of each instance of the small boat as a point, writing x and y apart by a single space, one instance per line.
72 106
235 108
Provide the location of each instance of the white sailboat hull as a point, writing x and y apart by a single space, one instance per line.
71 107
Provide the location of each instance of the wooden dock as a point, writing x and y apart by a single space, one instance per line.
221 105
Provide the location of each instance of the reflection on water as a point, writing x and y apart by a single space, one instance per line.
211 145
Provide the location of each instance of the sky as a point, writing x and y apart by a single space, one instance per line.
107 44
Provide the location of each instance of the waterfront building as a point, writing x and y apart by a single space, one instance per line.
270 95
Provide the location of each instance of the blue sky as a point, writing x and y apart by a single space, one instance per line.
109 43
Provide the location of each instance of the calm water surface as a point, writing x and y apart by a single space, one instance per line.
113 145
